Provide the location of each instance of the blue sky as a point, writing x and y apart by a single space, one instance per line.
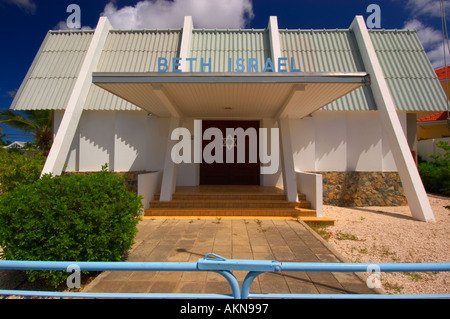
24 23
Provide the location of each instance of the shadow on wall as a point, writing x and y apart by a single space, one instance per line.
126 140
339 141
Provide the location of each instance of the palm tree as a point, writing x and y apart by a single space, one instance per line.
39 122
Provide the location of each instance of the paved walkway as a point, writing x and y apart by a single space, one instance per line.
187 240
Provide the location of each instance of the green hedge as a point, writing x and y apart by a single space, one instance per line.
70 218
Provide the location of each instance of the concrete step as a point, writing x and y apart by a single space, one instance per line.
228 203
296 212
318 220
229 196
234 203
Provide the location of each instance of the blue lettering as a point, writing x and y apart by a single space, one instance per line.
280 64
293 69
162 65
240 63
252 65
269 65
190 63
205 64
176 64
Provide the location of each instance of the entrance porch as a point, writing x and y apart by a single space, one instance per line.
228 201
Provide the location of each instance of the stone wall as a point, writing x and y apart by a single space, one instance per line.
358 189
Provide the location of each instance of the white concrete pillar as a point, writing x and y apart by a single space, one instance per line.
61 145
274 41
287 161
186 40
412 183
169 178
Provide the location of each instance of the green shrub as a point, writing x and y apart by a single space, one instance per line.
17 168
436 176
442 158
68 218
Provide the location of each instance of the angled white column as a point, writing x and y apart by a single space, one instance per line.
287 161
411 181
74 108
274 41
186 39
169 178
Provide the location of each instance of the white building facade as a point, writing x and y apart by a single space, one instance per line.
344 102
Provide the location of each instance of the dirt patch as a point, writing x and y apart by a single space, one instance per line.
391 235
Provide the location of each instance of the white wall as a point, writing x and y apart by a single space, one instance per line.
72 162
304 144
96 141
364 142
342 141
133 141
127 141
331 141
130 146
311 185
428 147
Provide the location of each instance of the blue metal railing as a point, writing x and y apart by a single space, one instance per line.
224 267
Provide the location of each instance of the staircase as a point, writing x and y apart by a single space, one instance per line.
240 202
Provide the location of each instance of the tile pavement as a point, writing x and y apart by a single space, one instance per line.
187 240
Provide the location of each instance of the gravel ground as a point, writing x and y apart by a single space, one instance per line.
390 234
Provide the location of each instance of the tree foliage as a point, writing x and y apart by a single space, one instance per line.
38 122
436 176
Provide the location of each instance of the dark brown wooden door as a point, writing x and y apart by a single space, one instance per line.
231 173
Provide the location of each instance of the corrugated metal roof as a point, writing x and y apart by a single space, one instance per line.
220 45
407 69
411 78
53 74
138 51
131 51
328 51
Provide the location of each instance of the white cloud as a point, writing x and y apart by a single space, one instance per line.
161 14
431 8
432 42
436 57
27 5
427 35
431 37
